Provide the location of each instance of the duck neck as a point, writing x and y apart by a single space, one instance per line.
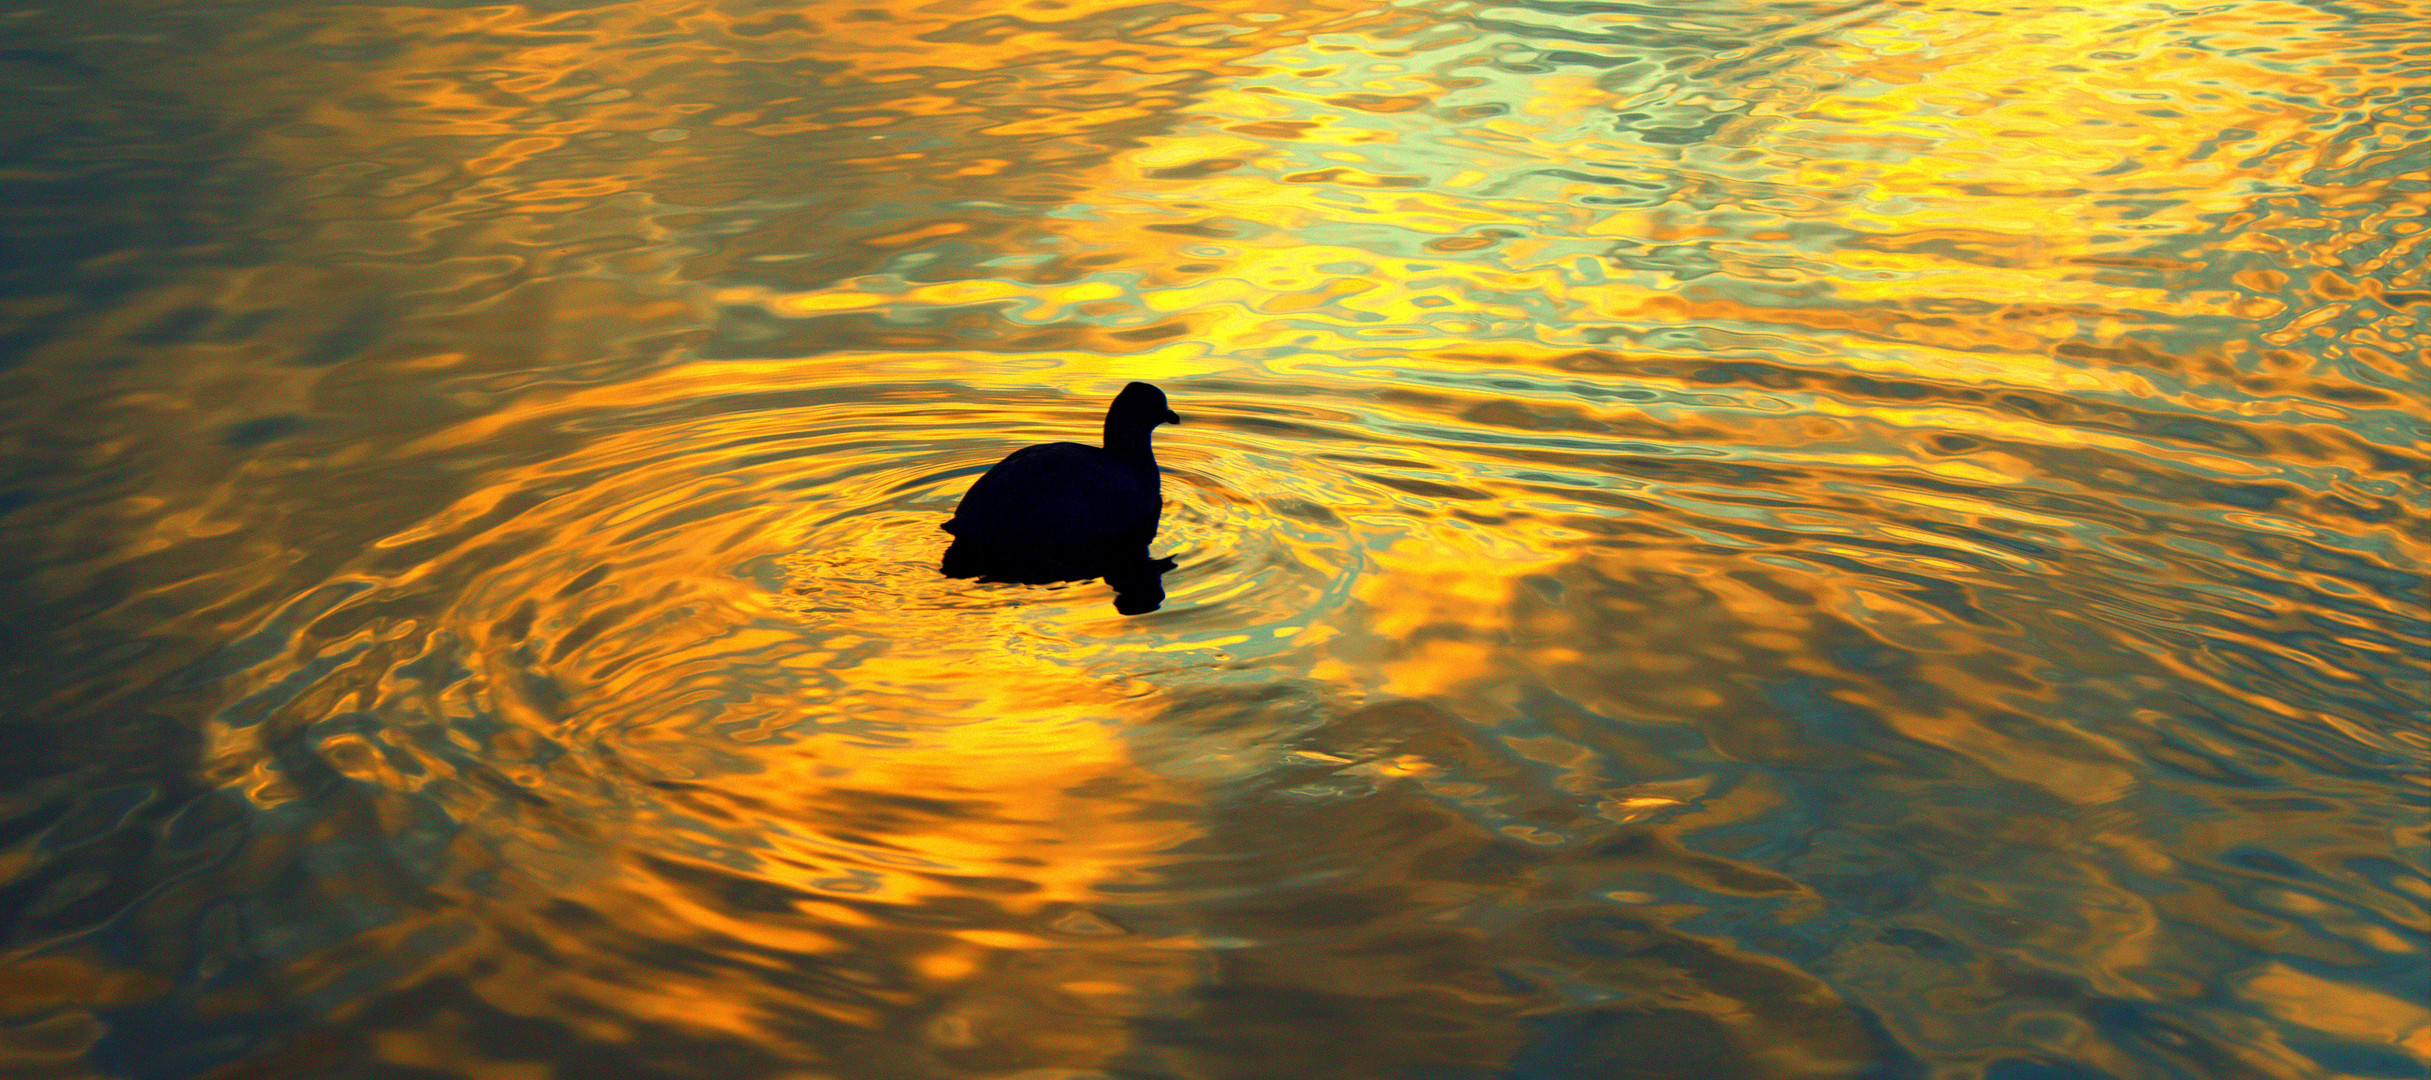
1129 443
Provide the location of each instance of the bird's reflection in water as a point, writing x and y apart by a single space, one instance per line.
1138 581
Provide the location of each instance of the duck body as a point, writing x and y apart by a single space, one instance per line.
1065 511
1060 495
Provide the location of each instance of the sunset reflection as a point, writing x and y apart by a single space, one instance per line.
1776 541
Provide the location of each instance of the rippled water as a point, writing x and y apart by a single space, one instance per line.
1715 539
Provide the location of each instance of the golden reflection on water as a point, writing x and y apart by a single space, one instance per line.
1768 541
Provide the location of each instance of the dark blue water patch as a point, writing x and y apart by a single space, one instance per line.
2355 1059
2170 1041
2266 862
176 327
1643 1044
364 325
1921 941
98 812
1808 700
88 882
252 433
1868 872
2023 1069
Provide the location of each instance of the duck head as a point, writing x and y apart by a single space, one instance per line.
1136 412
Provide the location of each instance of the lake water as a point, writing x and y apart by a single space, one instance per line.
1714 539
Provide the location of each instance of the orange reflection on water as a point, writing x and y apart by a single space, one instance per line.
721 705
1604 453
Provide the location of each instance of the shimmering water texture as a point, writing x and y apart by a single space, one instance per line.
1712 540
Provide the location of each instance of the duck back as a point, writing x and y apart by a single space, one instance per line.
1060 495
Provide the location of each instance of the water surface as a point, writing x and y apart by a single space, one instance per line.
1714 539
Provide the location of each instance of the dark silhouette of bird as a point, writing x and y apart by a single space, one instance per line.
1067 511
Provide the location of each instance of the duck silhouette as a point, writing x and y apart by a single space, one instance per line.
1066 511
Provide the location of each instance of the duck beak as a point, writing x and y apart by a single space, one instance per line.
1172 417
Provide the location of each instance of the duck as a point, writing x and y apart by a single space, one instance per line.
1063 511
